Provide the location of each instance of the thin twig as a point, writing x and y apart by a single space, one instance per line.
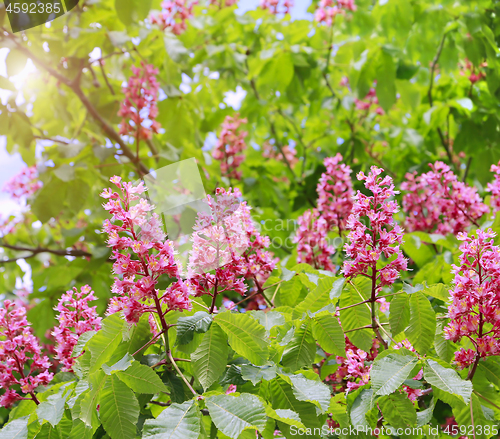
181 374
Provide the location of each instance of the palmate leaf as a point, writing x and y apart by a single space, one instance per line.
329 334
389 372
301 349
398 410
422 326
141 379
103 344
186 326
308 390
447 380
246 336
233 414
16 429
399 313
119 409
318 298
179 421
210 358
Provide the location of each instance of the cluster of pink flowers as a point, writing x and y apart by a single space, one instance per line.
368 102
230 145
382 236
20 357
468 69
223 3
139 108
270 151
335 192
334 206
494 188
354 369
24 184
438 202
75 318
475 308
174 15
274 6
412 393
313 247
227 241
141 256
329 9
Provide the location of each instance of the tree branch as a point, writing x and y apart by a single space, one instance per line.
37 250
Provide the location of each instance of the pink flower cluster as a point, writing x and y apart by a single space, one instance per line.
24 184
20 357
468 69
228 242
494 188
381 237
437 202
274 6
230 146
141 256
174 15
270 151
475 308
75 318
334 206
313 247
223 3
368 102
354 369
335 192
139 108
329 9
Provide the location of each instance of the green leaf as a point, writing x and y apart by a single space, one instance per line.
16 429
318 298
88 402
386 77
301 350
246 336
186 326
329 334
357 316
399 313
269 319
257 373
210 358
15 62
123 364
234 414
308 390
462 415
286 416
389 372
439 291
447 380
103 344
491 367
422 326
119 409
175 385
5 84
132 11
360 407
141 379
398 410
425 416
179 421
52 409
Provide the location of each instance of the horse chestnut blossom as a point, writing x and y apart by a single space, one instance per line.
75 318
273 6
380 237
313 247
468 69
335 192
139 108
334 206
227 241
142 256
24 184
494 188
329 9
23 367
354 369
475 307
174 15
437 202
230 145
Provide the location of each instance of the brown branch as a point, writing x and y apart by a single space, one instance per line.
37 250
